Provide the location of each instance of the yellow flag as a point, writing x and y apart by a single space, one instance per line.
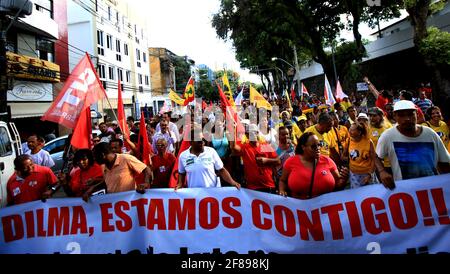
288 100
227 89
176 98
256 97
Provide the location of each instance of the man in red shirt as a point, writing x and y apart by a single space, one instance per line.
30 182
259 159
162 165
382 97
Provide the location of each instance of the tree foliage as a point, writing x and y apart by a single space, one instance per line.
261 30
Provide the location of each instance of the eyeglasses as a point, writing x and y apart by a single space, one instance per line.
160 145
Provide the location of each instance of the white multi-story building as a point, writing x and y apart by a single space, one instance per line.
115 35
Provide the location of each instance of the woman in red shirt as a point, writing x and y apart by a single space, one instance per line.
85 178
296 179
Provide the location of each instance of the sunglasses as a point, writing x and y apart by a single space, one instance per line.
315 146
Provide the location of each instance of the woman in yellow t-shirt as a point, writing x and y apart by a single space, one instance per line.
361 156
435 122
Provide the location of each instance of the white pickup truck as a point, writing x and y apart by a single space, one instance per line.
10 148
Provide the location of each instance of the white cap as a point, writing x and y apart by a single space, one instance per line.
404 104
363 115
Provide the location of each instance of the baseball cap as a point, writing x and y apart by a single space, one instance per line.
363 115
303 117
403 105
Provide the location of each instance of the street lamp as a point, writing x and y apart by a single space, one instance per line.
278 58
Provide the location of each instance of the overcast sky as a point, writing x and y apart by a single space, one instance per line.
184 27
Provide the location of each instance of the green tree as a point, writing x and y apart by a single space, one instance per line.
430 43
260 30
182 72
205 89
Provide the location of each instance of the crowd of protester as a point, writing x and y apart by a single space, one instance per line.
311 149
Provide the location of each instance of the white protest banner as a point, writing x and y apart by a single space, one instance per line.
370 219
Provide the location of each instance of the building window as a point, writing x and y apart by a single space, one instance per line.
147 83
45 49
109 13
125 49
100 49
128 76
45 7
111 73
138 56
109 42
96 5
101 71
118 45
144 57
120 74
135 29
117 17
140 78
119 57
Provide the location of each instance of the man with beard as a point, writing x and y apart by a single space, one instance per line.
413 150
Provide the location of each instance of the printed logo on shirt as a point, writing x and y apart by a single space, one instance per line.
190 161
354 154
16 191
324 172
375 133
32 183
162 169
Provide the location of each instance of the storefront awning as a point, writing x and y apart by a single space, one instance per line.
25 110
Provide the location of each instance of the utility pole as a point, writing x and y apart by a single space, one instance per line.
297 71
3 78
334 65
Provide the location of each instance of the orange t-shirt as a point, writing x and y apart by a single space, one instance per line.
121 177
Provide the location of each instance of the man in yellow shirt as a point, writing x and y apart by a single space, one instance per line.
328 144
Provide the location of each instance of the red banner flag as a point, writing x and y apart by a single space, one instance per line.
184 145
293 94
82 134
230 113
144 148
121 113
82 89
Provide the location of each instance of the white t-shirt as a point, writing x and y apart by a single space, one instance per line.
201 170
41 158
412 157
172 127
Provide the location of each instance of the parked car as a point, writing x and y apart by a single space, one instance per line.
56 149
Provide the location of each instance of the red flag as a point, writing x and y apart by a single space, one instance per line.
304 90
204 105
231 114
184 146
144 148
82 89
293 94
82 137
121 115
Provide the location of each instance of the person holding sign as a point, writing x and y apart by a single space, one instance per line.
309 174
85 178
120 170
200 164
30 182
